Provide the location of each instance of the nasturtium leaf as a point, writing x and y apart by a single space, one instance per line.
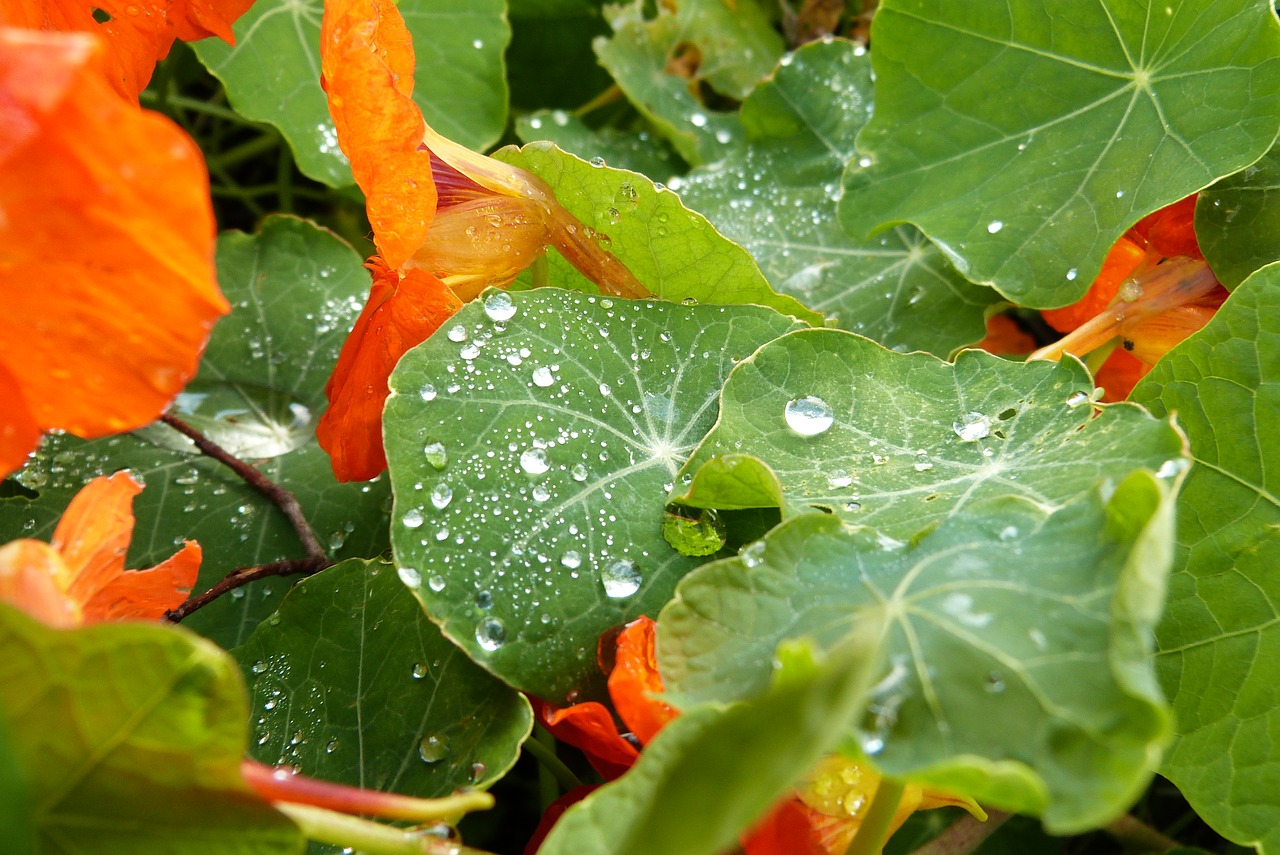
715 769
827 419
530 443
639 151
659 62
673 251
272 74
777 197
1219 640
351 683
1238 221
1025 138
550 62
295 291
1017 642
17 827
130 738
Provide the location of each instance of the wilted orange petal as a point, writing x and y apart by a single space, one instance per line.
481 243
19 433
366 58
1005 338
107 292
635 681
589 726
1119 265
400 313
29 571
1171 231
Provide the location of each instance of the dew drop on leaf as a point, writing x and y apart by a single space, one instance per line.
972 427
571 559
543 377
258 667
436 455
433 749
412 518
534 461
436 583
578 472
752 554
693 533
457 333
621 579
491 633
808 416
409 576
441 496
499 306
419 671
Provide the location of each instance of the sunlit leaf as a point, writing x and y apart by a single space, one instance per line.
777 196
295 291
130 738
416 717
1219 641
1017 642
1025 138
273 74
1238 221
531 442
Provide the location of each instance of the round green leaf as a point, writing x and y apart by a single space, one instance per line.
295 291
777 196
1238 221
272 74
829 420
351 683
130 738
1219 641
1025 138
530 443
1017 640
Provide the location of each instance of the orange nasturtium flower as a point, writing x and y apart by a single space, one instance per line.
80 578
447 222
819 818
137 33
107 291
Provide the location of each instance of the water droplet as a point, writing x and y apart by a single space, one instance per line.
419 671
436 583
597 162
534 461
457 333
872 745
470 352
331 746
698 120
258 667
409 576
752 555
1072 274
621 579
605 388
441 496
994 226
571 559
491 633
541 493
499 306
478 771
578 472
808 416
994 683
839 479
614 216
484 600
412 518
1009 532
543 377
433 749
1173 467
1077 398
437 455
923 463
693 532
972 427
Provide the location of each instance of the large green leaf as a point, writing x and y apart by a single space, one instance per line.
1238 221
130 738
17 827
295 291
673 251
531 442
713 770
827 419
1017 640
272 74
777 196
1025 138
1220 643
351 683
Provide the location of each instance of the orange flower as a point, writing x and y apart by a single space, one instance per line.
1005 338
80 577
107 292
138 33
441 216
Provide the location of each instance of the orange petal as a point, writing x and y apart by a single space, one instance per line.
367 61
106 242
589 726
635 681
1171 231
147 594
554 811
19 433
1005 337
1120 263
29 574
400 313
1119 374
793 828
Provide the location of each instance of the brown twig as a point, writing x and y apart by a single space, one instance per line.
244 576
1135 833
964 835
279 496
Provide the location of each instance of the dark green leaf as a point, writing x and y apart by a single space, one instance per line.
130 737
351 683
530 444
1238 221
1220 643
17 827
550 61
1025 138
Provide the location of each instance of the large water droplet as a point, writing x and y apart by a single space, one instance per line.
534 461
693 532
433 749
499 306
972 427
428 392
436 583
808 416
543 377
409 576
579 472
258 667
437 455
419 671
412 518
1077 398
752 555
571 559
441 496
621 579
491 633
457 333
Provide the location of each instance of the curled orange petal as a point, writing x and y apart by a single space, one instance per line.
1171 231
402 311
107 293
635 682
29 574
1005 338
1120 264
589 727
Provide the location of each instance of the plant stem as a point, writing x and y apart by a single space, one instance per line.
195 105
964 835
279 496
243 576
1136 834
244 151
871 835
371 838
547 759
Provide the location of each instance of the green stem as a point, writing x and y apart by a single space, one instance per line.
246 150
547 759
874 830
229 188
194 105
284 179
371 838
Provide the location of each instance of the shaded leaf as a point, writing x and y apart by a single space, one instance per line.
1219 641
17 828
1238 221
777 196
530 444
272 74
130 737
637 151
550 61
295 291
1105 113
1017 641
